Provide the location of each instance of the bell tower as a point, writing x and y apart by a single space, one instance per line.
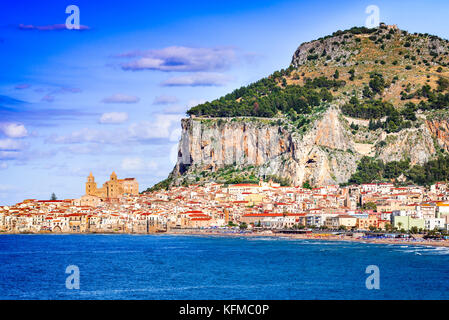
91 185
113 186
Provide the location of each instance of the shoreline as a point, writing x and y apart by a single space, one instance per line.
442 243
439 243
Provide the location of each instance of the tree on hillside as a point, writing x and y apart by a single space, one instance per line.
352 74
443 84
377 83
368 170
369 206
53 197
306 185
336 75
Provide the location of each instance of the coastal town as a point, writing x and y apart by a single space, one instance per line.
118 207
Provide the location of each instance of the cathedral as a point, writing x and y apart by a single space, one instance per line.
114 188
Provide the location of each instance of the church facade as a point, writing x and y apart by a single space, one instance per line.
114 188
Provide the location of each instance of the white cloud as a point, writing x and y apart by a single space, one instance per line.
9 155
3 165
121 98
176 109
93 148
144 63
14 130
197 79
9 144
165 99
89 135
114 117
181 59
159 128
135 164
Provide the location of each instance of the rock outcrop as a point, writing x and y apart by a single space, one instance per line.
209 144
440 130
415 144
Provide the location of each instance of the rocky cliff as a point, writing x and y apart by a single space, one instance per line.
440 130
270 146
326 154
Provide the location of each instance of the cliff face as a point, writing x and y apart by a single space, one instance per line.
300 57
213 143
415 144
326 154
440 130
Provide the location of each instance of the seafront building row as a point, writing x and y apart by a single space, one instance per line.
265 205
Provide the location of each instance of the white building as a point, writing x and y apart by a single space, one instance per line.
435 223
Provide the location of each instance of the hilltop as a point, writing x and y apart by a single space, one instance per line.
357 106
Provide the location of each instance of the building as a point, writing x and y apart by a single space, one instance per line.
370 221
342 220
87 200
435 223
407 222
114 188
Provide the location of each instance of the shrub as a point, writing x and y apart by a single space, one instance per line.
336 74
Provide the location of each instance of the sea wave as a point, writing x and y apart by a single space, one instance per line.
425 250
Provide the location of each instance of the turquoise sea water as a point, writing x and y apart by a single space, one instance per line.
195 267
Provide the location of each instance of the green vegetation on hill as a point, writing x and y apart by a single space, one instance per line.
371 170
353 31
431 172
433 99
281 94
231 174
227 175
265 98
376 109
372 109
163 185
367 109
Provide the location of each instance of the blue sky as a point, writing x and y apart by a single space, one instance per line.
110 97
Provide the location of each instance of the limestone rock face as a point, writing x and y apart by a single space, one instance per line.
216 143
416 144
320 48
326 154
440 130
